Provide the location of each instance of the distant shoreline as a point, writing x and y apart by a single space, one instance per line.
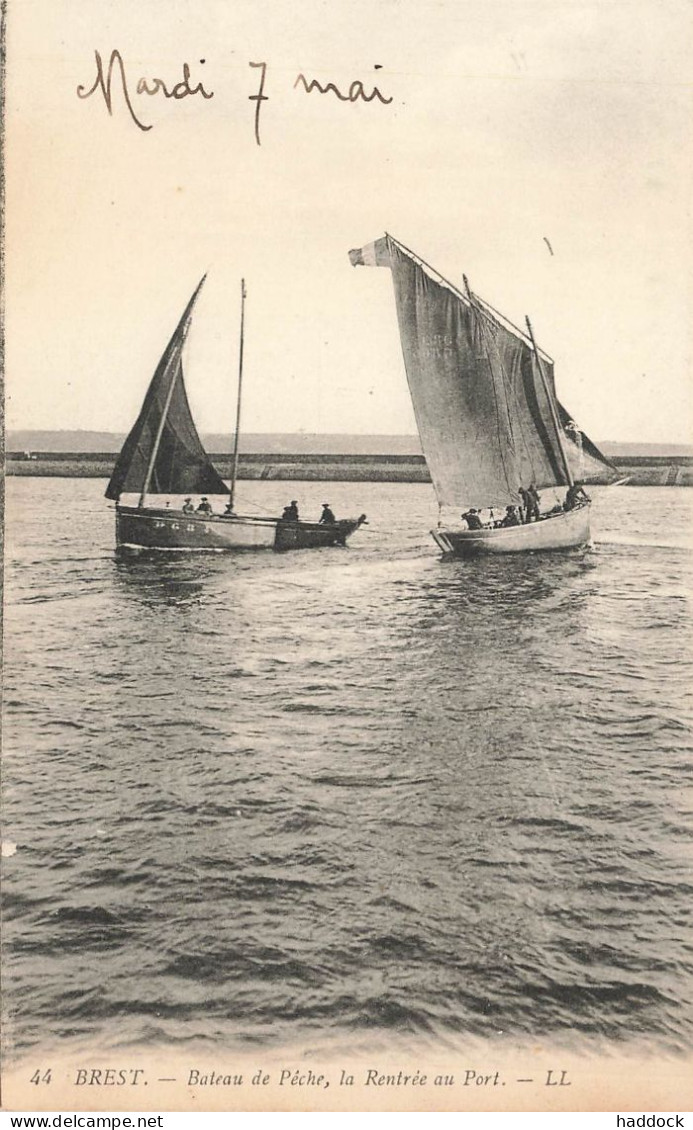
641 470
290 444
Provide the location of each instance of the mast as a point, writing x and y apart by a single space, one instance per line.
552 406
234 473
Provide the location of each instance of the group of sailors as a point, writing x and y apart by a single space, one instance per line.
529 511
290 513
204 507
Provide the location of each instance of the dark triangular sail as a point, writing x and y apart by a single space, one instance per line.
483 396
181 464
588 463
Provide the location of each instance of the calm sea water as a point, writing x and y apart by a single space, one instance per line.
269 799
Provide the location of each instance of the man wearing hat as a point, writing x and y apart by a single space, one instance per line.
472 519
204 507
188 507
576 496
327 515
530 503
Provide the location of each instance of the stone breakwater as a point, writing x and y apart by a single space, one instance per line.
644 470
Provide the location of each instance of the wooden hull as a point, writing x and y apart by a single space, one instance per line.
313 535
567 530
147 528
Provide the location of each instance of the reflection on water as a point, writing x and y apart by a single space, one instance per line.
275 798
154 580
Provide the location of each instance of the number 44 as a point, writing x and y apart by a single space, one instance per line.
37 1077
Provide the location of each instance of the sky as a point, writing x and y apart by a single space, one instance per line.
541 148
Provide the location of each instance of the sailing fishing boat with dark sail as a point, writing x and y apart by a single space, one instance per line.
163 456
491 427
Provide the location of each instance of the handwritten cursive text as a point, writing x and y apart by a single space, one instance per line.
356 90
114 84
151 86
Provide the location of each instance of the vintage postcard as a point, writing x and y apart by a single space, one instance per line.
347 650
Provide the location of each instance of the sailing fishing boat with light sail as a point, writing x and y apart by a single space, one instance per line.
163 456
487 413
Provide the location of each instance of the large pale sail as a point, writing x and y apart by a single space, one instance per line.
182 465
484 399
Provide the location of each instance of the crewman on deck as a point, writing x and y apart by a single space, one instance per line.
327 515
512 518
576 494
472 519
535 500
188 507
204 507
530 503
290 513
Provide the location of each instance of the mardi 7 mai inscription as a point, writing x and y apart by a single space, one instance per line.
114 77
